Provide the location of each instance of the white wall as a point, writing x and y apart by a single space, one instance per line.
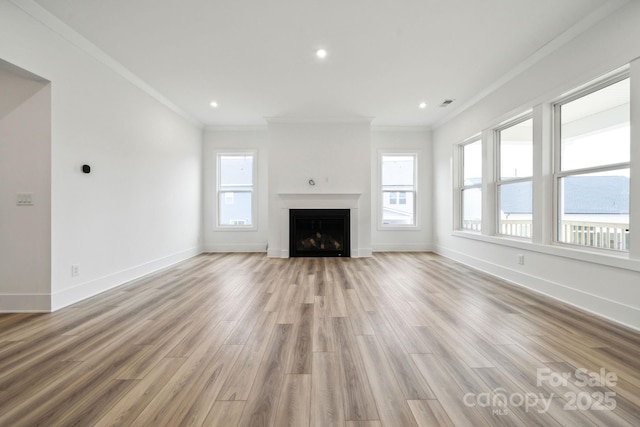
17 86
140 208
248 138
336 155
412 140
25 167
606 285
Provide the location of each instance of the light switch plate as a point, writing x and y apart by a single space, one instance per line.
24 199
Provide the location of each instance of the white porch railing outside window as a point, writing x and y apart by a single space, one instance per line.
516 227
603 235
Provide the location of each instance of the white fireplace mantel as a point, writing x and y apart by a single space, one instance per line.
317 200
299 197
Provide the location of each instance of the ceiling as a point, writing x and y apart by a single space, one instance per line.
257 58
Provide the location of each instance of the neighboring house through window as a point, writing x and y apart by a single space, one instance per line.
515 178
236 188
398 177
592 135
470 191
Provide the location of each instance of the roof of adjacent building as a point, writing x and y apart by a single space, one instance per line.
582 195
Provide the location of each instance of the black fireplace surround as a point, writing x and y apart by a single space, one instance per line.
319 233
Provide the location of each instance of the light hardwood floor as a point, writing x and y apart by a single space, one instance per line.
399 339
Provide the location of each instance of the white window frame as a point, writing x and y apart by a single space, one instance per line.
381 191
544 187
459 223
557 155
253 190
499 181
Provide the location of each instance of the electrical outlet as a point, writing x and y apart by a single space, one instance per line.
521 259
75 270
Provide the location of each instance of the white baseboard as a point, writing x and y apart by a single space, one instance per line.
235 247
614 311
25 303
275 253
85 290
402 247
362 253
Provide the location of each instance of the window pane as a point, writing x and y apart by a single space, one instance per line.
235 208
471 209
516 208
594 210
398 172
472 163
595 129
236 170
398 208
516 151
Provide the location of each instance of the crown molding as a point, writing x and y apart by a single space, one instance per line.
236 128
585 24
50 21
400 128
319 120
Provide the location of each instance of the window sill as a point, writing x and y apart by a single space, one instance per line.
234 228
399 228
607 258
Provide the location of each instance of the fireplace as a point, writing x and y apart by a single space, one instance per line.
319 233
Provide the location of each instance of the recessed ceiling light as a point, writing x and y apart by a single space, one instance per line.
321 53
214 104
422 105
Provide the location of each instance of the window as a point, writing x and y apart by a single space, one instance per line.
592 135
398 185
398 198
471 189
514 184
236 186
